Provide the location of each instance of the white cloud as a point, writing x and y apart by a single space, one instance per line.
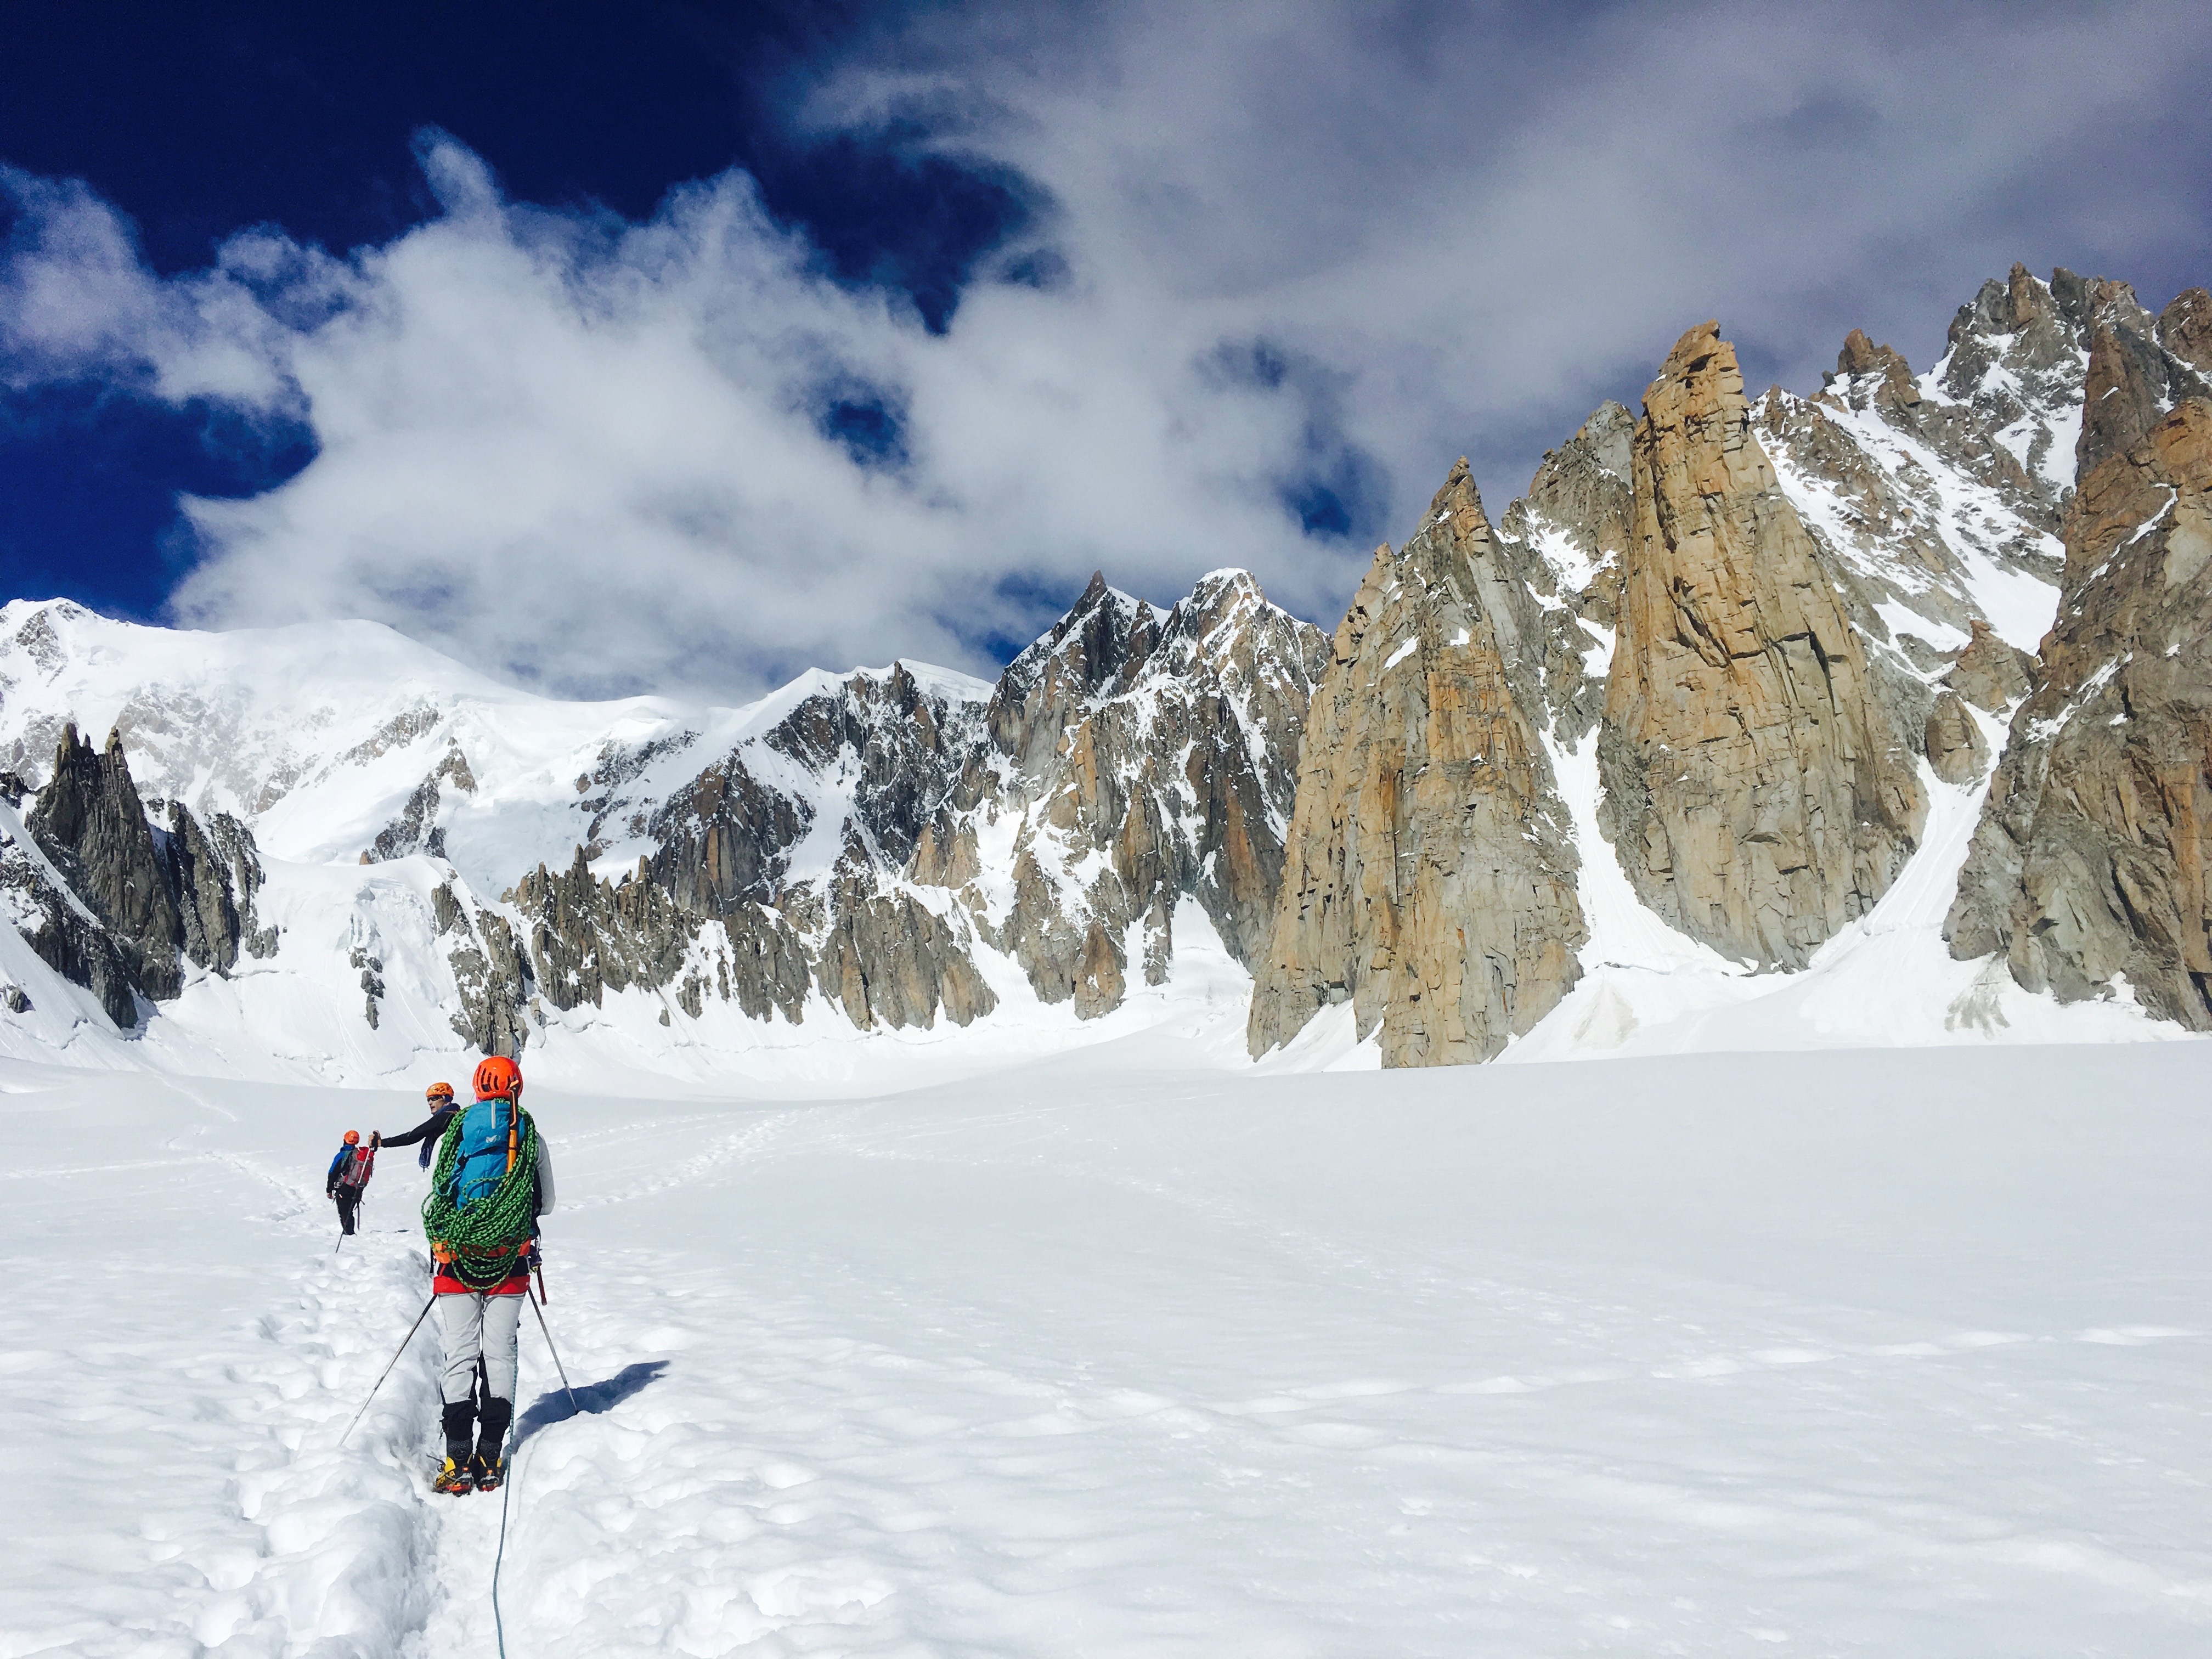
591 453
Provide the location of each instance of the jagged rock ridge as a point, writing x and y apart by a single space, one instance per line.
1431 867
863 840
2091 859
113 902
1755 664
1138 760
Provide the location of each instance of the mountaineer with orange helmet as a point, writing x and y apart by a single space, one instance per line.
442 1108
347 1178
494 1179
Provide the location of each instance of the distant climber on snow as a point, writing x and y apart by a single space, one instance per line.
348 1178
442 1108
494 1178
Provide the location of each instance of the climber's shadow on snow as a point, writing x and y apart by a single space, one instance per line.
591 1398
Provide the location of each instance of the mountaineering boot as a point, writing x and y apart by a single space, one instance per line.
456 1477
491 1435
459 1474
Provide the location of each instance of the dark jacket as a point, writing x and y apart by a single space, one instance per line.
428 1132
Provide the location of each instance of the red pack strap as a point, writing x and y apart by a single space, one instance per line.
476 1252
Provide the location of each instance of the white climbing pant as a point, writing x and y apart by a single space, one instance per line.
473 1326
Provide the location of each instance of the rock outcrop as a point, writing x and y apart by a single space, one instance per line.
1125 762
1958 753
1561 545
1146 759
1914 488
115 904
2185 328
2091 859
890 960
1430 877
64 934
90 822
1988 673
587 936
492 977
416 829
2011 385
215 871
1758 794
2132 379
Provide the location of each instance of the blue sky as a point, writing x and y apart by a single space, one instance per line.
703 343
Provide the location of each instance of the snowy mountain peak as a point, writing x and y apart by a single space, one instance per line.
1539 809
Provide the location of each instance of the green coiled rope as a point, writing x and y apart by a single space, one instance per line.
481 1236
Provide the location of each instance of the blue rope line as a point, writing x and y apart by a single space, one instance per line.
506 1490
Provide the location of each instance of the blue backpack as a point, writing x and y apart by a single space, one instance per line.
491 1133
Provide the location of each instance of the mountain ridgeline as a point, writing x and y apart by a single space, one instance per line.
1719 672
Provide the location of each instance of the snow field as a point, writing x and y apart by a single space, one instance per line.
1880 1352
180 1340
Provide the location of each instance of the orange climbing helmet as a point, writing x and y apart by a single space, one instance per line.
439 1091
352 1137
496 1077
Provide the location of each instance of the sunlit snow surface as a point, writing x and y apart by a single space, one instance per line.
1896 1352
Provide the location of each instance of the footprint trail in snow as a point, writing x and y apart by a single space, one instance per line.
1878 1352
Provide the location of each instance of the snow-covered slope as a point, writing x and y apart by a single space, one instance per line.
320 738
1879 1353
829 886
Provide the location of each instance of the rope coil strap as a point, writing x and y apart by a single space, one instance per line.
481 1243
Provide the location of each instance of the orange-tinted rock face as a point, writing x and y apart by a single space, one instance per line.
1757 795
1430 872
2185 328
2092 855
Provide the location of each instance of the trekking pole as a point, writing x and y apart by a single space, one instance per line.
573 1406
403 1342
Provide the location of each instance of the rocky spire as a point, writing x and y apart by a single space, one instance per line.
2132 379
1558 552
1756 793
2013 366
141 901
90 822
1875 377
2094 855
1104 634
1430 879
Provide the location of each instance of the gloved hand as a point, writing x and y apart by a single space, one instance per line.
375 1138
532 1257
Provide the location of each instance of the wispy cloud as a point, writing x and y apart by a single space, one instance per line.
1288 262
